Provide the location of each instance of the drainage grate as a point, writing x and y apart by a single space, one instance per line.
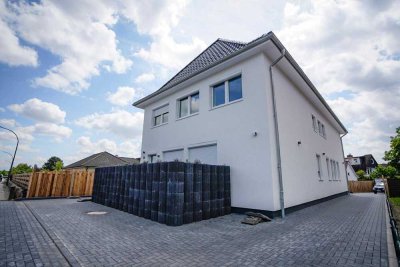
96 212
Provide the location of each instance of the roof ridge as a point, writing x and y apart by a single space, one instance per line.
231 41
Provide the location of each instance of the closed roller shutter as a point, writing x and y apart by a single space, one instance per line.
205 154
173 155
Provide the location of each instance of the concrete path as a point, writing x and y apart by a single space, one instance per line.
347 231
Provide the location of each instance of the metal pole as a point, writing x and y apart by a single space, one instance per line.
15 152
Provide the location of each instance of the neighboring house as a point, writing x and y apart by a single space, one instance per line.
102 159
367 163
351 173
219 109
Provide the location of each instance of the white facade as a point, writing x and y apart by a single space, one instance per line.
351 174
241 134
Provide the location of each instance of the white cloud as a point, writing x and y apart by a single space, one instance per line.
59 132
2 109
89 147
7 123
12 52
124 96
145 77
122 123
78 32
39 110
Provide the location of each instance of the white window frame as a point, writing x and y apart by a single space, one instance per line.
226 90
162 115
323 130
189 98
328 169
333 170
338 170
314 122
319 166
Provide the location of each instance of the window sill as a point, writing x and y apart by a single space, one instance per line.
226 104
162 124
188 116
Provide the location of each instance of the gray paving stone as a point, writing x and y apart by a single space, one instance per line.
347 231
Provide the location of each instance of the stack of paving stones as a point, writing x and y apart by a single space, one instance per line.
172 193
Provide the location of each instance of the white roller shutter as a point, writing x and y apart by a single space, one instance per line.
173 155
205 154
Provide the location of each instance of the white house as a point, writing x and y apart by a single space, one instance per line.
220 108
351 174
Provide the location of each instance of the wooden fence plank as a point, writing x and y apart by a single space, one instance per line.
360 186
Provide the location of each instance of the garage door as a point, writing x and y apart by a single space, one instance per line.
173 155
205 154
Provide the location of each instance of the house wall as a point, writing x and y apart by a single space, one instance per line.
231 127
351 174
299 164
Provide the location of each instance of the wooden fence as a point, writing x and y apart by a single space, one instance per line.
171 193
360 186
22 180
63 183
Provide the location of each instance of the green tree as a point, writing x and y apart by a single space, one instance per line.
4 172
393 155
59 165
50 165
386 172
21 168
361 174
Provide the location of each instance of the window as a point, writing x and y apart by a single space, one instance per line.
323 130
235 88
328 168
152 158
219 94
160 115
188 105
319 166
227 91
314 123
338 170
333 170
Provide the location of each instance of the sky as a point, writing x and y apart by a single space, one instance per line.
70 70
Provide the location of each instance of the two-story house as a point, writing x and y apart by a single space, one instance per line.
249 106
367 163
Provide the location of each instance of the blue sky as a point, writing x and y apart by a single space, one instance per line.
69 70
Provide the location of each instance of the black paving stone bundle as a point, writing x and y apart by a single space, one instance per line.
173 193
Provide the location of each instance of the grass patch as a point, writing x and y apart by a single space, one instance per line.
395 201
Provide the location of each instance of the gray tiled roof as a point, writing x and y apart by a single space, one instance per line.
215 52
102 159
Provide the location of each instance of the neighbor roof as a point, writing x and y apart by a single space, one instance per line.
102 159
222 50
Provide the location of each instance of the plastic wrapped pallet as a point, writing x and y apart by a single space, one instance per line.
142 188
148 192
155 191
220 191
188 193
162 192
206 191
197 192
213 191
136 189
227 190
131 182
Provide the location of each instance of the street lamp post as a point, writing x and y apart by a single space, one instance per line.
15 152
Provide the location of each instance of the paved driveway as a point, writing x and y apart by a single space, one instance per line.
347 231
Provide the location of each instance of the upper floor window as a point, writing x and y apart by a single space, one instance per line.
188 105
227 91
160 115
314 123
319 169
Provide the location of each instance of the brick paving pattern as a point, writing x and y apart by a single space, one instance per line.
347 231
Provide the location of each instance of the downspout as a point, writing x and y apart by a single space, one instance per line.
278 147
345 163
